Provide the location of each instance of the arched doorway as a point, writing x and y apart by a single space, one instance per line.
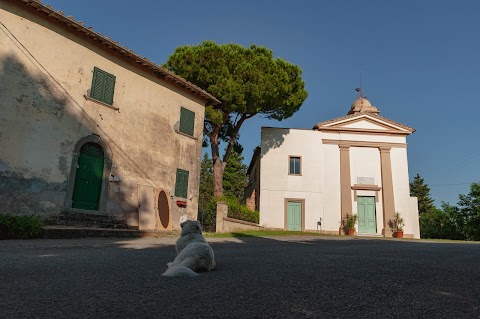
89 176
163 209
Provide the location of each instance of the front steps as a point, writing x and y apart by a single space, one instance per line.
87 221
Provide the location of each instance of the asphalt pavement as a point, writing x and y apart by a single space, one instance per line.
281 277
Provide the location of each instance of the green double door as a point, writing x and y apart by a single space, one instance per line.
89 176
367 221
294 216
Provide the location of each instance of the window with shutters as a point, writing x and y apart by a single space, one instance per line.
187 121
103 86
181 184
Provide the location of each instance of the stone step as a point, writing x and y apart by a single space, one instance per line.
57 232
87 220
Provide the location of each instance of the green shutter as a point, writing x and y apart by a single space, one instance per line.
97 84
103 86
187 121
109 89
181 184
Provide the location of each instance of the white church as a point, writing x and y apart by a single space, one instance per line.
309 179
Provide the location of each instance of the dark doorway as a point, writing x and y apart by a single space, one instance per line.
163 209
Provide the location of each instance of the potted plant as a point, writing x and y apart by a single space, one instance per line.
348 224
396 225
181 203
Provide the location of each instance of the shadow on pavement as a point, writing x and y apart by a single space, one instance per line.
256 277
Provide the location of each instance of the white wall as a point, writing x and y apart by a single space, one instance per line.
319 183
364 138
365 162
320 178
401 187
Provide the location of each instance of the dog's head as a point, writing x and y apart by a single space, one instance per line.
191 227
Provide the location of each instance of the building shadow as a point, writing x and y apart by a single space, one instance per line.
256 277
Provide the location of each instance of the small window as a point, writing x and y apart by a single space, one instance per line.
187 121
103 86
181 184
295 165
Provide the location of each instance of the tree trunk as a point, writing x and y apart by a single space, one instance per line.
218 169
218 164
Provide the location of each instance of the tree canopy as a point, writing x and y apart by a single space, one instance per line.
248 81
235 177
469 210
461 221
420 189
206 183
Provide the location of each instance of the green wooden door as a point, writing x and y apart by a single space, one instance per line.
88 180
294 216
367 221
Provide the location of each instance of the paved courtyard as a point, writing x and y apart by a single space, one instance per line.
282 277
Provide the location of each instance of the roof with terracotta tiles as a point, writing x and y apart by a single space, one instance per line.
74 26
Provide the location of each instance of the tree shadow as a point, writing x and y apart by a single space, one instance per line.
272 138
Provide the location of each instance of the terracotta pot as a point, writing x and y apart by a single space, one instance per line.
398 234
181 203
350 232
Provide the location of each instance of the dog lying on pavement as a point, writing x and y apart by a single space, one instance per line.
193 252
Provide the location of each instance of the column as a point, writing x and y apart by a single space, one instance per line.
345 181
222 211
387 189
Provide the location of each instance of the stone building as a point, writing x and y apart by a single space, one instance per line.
87 125
309 179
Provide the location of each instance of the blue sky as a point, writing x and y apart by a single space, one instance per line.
419 62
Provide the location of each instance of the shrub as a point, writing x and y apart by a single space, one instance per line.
397 223
235 210
20 227
239 211
348 222
208 217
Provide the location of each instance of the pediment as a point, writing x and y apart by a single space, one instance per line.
364 123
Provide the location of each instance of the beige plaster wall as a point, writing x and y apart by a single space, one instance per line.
45 71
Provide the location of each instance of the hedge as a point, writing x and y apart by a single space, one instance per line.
235 210
20 227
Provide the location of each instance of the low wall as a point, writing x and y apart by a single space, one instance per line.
226 224
232 224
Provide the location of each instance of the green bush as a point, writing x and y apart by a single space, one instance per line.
239 211
208 217
235 210
20 227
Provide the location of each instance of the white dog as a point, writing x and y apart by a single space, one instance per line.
193 252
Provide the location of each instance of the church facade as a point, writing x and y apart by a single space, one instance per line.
310 179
